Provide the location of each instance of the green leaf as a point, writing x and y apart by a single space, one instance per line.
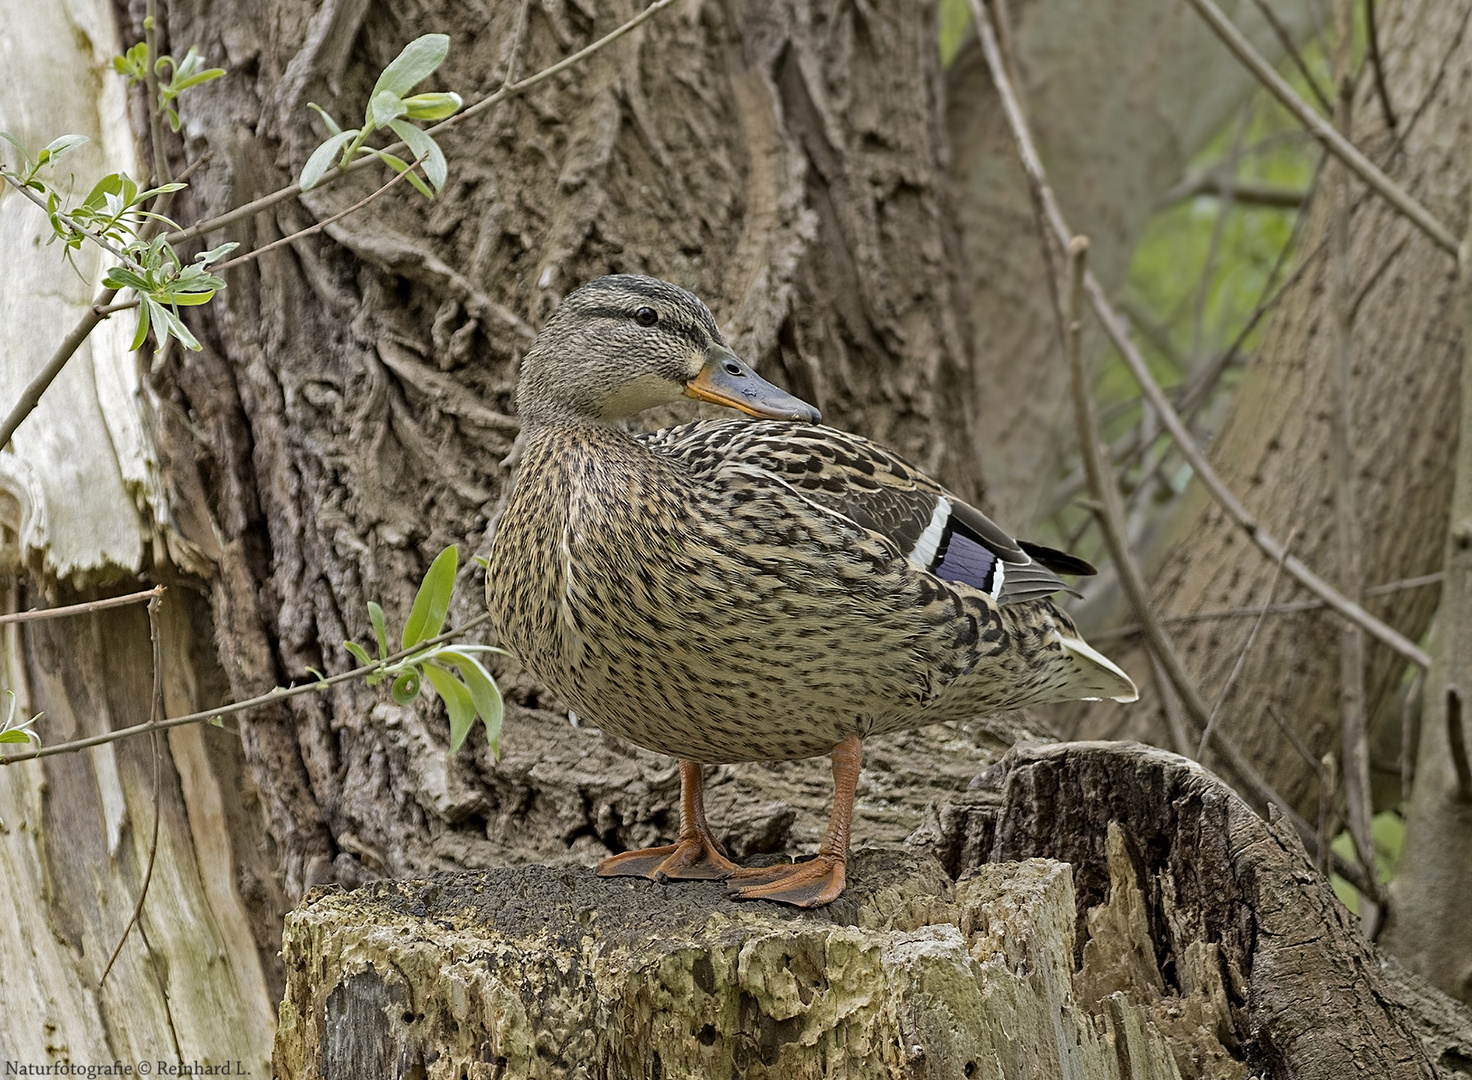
214 255
433 106
321 160
422 146
162 189
16 735
142 335
383 108
108 185
432 602
412 66
380 628
184 299
120 277
333 128
485 694
406 687
359 653
57 147
205 76
399 165
458 702
172 326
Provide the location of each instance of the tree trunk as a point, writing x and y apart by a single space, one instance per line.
1189 939
1276 451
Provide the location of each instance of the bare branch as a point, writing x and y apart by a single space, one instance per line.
1324 131
1290 608
1242 192
312 229
147 595
1457 738
1285 39
150 85
47 375
1355 744
1241 659
156 714
270 697
265 202
1377 64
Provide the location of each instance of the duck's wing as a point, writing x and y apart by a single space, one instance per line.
876 489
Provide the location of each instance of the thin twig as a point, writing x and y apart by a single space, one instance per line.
1291 607
101 241
516 36
1241 659
1115 328
150 84
1457 740
1410 732
83 609
270 697
1285 39
98 311
1324 131
312 229
47 375
1293 738
1104 487
1355 746
1243 192
163 991
1171 704
1328 791
265 202
155 715
1377 65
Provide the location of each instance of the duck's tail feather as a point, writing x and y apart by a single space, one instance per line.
1095 676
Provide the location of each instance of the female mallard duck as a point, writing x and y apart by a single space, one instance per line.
737 590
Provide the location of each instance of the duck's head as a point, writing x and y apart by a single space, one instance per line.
625 343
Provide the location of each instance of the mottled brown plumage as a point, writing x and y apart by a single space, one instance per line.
742 590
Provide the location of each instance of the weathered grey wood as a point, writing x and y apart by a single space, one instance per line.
1235 911
555 973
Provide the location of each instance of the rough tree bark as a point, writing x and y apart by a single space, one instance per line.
1275 448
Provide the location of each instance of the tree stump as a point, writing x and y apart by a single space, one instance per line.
1092 910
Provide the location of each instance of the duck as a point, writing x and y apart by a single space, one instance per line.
751 588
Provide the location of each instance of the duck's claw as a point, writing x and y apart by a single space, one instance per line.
691 858
813 883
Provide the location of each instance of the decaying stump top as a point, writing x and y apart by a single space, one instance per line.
1093 910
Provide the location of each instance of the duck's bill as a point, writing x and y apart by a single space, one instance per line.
726 379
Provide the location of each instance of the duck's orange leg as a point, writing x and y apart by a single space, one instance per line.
696 855
819 880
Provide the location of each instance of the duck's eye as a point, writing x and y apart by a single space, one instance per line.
646 316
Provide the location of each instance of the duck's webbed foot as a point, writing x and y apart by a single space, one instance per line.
807 884
690 858
819 880
696 856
